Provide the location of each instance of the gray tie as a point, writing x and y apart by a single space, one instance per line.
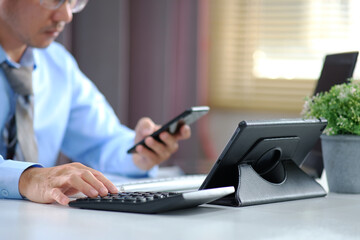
20 79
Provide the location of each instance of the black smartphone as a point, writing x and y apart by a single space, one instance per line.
187 117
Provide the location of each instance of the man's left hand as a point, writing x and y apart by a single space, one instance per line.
145 158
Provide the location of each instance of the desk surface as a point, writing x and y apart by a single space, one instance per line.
336 216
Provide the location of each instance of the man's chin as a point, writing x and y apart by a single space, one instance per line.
42 44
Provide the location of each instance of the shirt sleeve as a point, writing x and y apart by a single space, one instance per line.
94 135
10 172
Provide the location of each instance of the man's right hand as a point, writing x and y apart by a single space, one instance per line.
47 185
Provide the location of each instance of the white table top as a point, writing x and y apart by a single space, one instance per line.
336 216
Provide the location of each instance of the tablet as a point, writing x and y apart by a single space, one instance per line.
264 146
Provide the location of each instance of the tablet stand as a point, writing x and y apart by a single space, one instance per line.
252 189
262 162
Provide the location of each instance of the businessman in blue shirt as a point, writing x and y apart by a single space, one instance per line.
70 114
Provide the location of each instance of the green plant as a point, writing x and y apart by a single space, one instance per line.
340 106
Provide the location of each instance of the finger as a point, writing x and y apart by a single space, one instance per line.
147 158
160 151
107 183
84 180
77 182
145 126
170 142
184 133
59 196
94 182
146 131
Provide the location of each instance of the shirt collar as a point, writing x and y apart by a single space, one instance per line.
27 58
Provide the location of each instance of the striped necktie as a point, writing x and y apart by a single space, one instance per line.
19 132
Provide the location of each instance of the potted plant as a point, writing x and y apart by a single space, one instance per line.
340 106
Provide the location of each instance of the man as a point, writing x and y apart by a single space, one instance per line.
70 115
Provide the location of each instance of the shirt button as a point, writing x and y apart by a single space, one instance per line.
4 193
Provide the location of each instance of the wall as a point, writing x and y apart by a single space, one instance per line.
142 54
100 44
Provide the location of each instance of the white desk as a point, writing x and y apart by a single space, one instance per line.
333 217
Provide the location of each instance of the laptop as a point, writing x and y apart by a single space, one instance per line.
337 69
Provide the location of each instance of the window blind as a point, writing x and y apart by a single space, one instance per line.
268 54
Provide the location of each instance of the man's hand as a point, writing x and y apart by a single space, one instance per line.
47 185
144 158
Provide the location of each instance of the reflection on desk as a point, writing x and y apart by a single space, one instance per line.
333 217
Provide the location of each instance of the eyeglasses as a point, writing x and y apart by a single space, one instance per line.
75 5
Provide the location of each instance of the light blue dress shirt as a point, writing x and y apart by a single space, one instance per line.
70 115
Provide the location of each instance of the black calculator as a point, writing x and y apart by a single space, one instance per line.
151 202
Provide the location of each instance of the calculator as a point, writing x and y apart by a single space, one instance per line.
151 202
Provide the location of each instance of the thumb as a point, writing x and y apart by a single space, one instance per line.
145 127
146 131
59 196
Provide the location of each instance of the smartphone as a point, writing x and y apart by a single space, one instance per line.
187 117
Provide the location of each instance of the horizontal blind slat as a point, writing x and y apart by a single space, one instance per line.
253 43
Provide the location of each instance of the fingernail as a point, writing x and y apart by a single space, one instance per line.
64 201
103 191
114 189
94 192
146 131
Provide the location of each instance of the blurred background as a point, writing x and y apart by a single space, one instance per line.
246 59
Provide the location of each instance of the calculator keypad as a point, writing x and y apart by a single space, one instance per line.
130 197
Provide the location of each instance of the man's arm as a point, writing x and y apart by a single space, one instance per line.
10 172
47 185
